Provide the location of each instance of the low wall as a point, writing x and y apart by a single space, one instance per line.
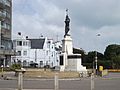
113 70
50 74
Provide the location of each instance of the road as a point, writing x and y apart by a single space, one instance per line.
111 82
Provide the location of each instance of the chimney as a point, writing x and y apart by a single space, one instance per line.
19 33
26 37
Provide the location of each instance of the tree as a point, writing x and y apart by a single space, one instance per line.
110 59
112 51
112 54
116 62
89 59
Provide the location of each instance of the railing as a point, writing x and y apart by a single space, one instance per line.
20 80
1 4
2 15
1 1
7 52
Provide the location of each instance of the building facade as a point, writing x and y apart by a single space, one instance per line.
5 32
22 48
38 52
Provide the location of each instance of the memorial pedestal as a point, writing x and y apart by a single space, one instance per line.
68 60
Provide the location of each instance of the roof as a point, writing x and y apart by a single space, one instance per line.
37 43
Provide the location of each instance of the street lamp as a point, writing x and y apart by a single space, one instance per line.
96 59
96 65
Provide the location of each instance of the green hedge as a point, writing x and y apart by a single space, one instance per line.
15 66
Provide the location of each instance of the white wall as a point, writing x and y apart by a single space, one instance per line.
25 47
48 55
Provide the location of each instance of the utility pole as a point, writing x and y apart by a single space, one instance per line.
96 59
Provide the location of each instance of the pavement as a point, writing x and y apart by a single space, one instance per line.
110 82
11 76
30 89
23 89
36 89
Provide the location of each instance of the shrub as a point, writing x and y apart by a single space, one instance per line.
15 66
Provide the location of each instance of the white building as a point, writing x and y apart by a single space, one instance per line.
39 52
22 49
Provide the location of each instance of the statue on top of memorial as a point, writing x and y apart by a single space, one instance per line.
67 22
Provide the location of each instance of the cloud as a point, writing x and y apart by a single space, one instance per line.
88 18
93 13
43 20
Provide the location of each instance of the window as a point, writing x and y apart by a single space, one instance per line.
41 63
25 43
24 63
31 62
47 53
7 2
52 47
19 62
19 43
52 54
18 53
29 44
25 53
48 44
7 26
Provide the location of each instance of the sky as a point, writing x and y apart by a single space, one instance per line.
89 18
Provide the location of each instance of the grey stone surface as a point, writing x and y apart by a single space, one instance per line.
110 82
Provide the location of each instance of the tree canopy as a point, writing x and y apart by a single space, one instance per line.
112 53
110 58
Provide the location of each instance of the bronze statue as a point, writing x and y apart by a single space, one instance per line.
67 21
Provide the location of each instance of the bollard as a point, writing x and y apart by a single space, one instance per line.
20 81
92 82
56 82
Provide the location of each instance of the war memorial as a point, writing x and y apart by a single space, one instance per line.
68 60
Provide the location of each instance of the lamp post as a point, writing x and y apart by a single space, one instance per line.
96 65
96 59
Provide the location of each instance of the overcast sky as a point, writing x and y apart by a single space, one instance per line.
88 19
